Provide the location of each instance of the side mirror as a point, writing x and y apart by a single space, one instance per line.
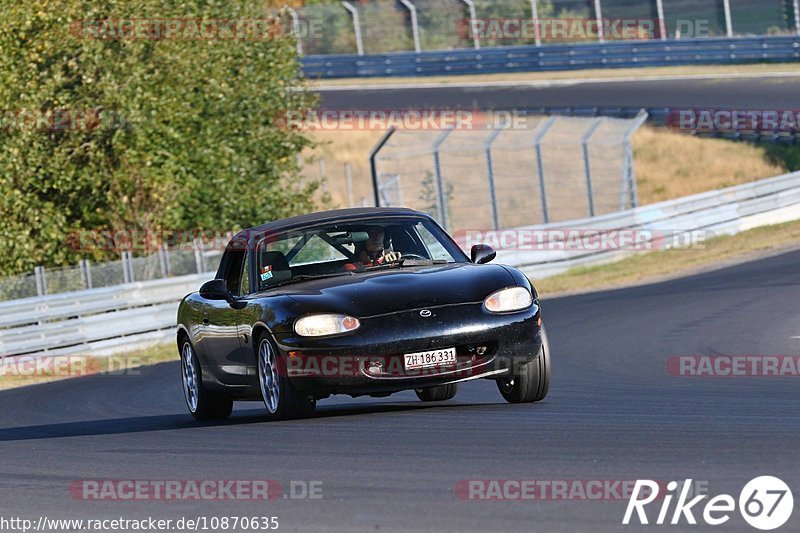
216 289
482 253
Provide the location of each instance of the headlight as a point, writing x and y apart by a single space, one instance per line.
320 325
507 300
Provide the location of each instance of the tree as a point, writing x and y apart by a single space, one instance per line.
104 131
429 196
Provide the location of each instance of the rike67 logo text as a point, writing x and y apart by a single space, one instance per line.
765 503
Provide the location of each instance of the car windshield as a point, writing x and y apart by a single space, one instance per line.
354 248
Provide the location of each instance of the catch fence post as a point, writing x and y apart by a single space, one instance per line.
440 192
587 167
490 177
542 130
356 26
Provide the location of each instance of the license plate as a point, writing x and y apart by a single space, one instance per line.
429 359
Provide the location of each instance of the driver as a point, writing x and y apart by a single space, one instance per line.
374 252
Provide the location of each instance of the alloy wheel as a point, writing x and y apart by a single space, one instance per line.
268 376
190 381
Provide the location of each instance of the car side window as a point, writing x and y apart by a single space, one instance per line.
233 271
244 285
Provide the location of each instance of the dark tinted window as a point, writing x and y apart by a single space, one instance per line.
233 266
244 283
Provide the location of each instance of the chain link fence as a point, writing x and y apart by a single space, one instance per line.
341 184
165 263
541 170
381 26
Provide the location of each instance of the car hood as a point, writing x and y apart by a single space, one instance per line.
386 291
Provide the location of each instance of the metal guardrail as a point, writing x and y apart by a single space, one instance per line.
556 57
116 318
721 212
86 321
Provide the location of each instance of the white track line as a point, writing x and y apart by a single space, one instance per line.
549 83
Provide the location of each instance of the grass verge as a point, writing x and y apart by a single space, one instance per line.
676 262
19 371
671 164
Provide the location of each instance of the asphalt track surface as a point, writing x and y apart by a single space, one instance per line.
614 413
768 93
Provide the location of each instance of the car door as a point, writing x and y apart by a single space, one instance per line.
221 345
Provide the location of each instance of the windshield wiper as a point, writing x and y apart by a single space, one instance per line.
406 262
422 262
306 277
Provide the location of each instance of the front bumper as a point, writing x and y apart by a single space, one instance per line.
370 360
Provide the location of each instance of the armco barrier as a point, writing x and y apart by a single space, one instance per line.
115 318
721 212
557 57
104 319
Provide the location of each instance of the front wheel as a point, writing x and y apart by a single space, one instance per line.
202 403
529 382
281 399
437 394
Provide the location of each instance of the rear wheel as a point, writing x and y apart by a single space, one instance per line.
529 382
281 399
202 403
437 394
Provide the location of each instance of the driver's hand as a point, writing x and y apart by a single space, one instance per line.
390 257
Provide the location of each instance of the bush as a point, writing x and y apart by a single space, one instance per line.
140 134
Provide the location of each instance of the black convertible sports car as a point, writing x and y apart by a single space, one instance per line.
359 302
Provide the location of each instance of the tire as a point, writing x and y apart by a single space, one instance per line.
282 401
529 382
202 403
437 394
